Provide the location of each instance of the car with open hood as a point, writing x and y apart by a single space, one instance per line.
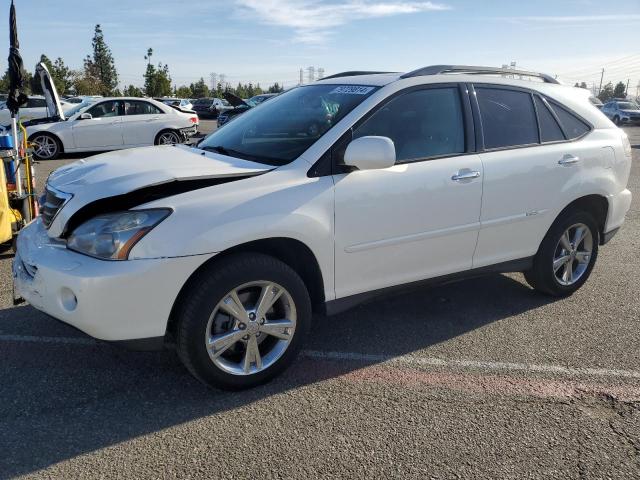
319 199
105 124
240 106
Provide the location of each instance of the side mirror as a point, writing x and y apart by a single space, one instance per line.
369 153
85 116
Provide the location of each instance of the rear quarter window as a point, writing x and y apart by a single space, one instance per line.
550 131
573 126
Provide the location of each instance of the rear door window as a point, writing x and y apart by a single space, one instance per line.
508 117
573 126
135 107
550 131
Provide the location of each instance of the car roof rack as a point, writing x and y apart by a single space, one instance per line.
353 73
476 70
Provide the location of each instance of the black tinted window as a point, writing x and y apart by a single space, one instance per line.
106 109
423 123
549 129
508 118
36 103
572 125
135 107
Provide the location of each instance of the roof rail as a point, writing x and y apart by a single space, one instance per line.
353 73
475 70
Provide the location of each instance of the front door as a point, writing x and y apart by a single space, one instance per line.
104 129
419 218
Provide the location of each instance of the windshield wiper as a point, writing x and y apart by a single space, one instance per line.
245 156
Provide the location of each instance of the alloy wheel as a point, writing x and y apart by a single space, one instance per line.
168 138
573 254
251 328
44 146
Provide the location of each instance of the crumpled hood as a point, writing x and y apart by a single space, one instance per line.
120 172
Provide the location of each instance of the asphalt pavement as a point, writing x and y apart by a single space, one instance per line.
482 378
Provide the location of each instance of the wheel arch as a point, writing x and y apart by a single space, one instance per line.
164 130
596 205
50 134
292 252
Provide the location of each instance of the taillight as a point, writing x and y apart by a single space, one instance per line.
194 119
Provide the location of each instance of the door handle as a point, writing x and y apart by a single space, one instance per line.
568 160
465 174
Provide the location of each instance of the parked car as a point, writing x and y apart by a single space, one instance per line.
82 98
240 106
183 103
622 112
211 107
107 124
225 249
35 108
596 102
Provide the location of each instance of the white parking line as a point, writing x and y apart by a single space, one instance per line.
406 360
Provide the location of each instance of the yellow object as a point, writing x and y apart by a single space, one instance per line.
7 214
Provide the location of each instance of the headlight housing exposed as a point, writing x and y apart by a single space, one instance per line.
111 236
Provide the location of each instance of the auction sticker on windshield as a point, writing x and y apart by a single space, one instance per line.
351 90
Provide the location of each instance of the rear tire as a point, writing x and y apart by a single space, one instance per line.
204 318
566 255
168 137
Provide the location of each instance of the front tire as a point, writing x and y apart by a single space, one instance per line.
566 255
243 321
616 120
45 146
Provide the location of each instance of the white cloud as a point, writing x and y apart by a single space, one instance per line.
315 20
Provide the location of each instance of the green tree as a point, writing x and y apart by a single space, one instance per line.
583 85
83 84
606 93
275 88
200 89
60 74
101 64
184 92
620 91
132 91
4 81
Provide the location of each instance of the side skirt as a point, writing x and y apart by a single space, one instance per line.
334 307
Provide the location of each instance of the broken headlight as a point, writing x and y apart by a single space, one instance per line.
111 236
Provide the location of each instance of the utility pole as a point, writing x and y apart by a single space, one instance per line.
626 90
601 78
301 76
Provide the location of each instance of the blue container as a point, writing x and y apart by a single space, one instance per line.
6 142
9 170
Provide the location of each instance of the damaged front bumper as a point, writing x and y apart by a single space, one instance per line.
109 300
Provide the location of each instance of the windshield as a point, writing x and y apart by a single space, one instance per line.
80 106
627 106
202 101
283 128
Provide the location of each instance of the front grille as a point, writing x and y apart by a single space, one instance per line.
50 203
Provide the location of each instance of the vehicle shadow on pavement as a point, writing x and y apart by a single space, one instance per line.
59 401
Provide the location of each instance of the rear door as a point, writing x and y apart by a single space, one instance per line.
103 130
528 169
419 218
141 123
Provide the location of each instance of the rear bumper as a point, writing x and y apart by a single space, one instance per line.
619 205
109 300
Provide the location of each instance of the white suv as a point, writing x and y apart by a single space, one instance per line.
321 198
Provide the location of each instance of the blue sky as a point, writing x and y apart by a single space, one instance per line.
270 40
